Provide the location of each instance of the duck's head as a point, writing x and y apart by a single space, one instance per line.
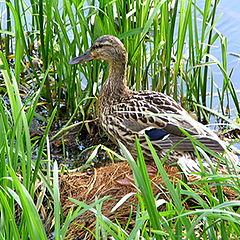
107 48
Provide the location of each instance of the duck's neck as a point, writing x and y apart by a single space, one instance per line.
116 84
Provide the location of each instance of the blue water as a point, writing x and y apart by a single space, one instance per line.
229 26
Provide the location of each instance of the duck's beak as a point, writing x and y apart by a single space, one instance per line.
85 57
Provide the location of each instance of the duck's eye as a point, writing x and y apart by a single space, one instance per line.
156 134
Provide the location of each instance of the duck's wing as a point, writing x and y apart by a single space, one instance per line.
161 119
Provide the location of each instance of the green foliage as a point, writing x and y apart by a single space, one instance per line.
19 174
154 32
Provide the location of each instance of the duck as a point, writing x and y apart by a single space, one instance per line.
125 114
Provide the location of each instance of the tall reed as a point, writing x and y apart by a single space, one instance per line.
169 45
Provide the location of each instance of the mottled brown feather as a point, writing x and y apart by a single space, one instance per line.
125 114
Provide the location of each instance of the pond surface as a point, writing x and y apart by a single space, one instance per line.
229 26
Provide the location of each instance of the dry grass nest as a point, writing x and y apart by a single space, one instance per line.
101 182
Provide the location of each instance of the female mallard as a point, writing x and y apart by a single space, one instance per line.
124 113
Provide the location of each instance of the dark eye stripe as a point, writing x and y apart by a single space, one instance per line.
100 45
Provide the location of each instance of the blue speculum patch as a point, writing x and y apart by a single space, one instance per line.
156 134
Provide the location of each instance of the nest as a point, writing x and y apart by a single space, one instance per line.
101 182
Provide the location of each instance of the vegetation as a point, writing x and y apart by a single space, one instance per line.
38 38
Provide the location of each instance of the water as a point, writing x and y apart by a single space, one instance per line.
229 26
